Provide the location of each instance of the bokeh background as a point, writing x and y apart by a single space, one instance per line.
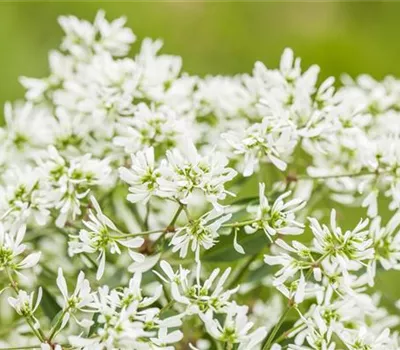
220 38
216 37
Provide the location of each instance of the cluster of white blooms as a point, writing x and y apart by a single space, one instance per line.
145 208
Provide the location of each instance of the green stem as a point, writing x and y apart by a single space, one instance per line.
187 212
7 213
334 176
167 306
239 224
146 219
167 295
284 335
275 330
289 307
38 332
228 346
55 329
178 212
171 224
87 256
219 345
144 233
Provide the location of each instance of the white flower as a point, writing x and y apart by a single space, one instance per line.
316 339
362 339
386 242
290 279
71 180
24 303
164 338
133 293
347 248
114 37
371 202
46 346
142 176
160 128
278 218
187 171
24 196
157 71
82 38
80 298
11 247
101 236
197 296
199 233
235 329
19 140
260 141
61 67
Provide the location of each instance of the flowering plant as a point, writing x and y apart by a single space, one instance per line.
128 214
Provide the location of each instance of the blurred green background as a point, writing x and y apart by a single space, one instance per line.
216 37
220 38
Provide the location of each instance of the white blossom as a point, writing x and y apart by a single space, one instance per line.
98 237
200 233
278 218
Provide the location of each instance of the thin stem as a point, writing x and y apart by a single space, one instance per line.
7 213
171 224
229 346
167 295
167 306
239 224
275 330
73 225
144 233
334 176
189 217
87 256
38 332
219 345
285 334
55 329
178 212
146 219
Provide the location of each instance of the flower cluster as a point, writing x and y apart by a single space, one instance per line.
142 207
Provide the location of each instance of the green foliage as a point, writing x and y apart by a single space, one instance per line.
49 305
224 251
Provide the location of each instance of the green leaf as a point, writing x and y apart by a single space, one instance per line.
49 305
245 201
224 251
240 215
259 273
95 324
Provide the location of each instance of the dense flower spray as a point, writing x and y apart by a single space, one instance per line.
145 208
